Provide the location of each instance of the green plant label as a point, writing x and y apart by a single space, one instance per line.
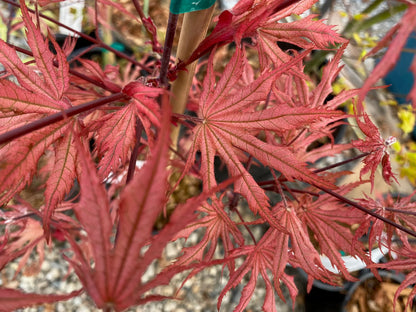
184 6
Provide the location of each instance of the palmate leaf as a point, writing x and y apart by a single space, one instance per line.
140 204
115 134
20 161
144 98
297 93
115 137
40 93
115 279
270 254
259 20
400 211
218 226
259 260
330 220
53 80
19 158
302 253
119 259
377 147
22 236
229 125
305 33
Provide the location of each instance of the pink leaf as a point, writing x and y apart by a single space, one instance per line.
12 299
115 137
55 78
305 33
61 177
141 202
93 213
19 158
223 130
18 100
377 148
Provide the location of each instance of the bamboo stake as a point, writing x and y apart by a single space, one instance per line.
194 28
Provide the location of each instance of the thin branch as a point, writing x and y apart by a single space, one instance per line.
139 11
135 152
410 213
234 203
46 121
296 137
233 207
341 163
370 212
167 49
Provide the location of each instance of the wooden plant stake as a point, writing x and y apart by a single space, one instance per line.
194 28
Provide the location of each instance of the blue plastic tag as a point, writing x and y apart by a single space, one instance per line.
184 6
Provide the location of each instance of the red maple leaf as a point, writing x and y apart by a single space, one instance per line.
268 255
40 92
260 21
399 211
119 259
229 121
330 222
377 147
218 226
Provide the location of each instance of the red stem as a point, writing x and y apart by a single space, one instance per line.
272 182
370 212
135 152
411 213
243 222
140 12
167 49
341 163
46 121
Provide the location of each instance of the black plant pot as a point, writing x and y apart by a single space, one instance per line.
328 298
324 297
324 300
368 294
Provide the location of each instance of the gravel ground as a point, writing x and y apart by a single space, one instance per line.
199 293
